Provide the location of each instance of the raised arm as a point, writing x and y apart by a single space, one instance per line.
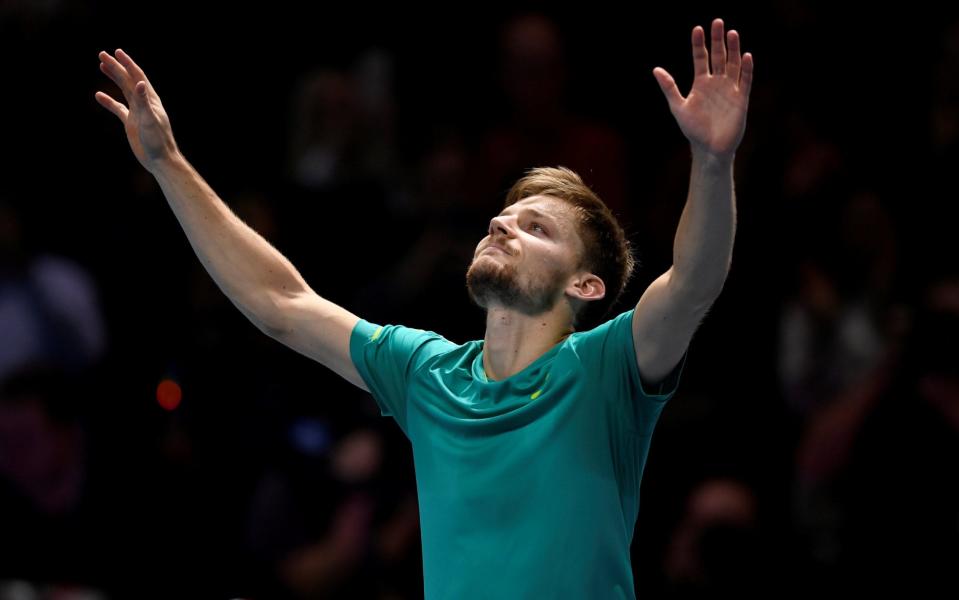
253 274
713 118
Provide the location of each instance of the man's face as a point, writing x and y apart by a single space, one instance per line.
541 246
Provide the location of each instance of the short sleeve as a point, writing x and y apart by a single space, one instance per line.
609 352
387 357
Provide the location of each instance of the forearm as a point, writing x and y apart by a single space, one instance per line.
703 247
250 271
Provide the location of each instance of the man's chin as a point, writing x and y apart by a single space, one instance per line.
488 285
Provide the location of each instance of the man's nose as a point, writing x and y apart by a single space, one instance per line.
498 225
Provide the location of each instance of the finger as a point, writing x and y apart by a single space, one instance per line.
668 85
734 60
700 55
113 106
717 48
132 68
117 73
746 81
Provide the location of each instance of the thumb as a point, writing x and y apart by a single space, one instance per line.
142 93
141 90
668 85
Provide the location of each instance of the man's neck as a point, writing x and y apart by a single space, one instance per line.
513 340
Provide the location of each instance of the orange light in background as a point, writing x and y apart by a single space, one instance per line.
169 394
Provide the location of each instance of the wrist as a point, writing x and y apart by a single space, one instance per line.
173 161
713 160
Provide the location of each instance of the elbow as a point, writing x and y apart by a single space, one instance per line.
266 312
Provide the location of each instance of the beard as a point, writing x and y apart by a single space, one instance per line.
490 281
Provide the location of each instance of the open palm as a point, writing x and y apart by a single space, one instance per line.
144 119
713 115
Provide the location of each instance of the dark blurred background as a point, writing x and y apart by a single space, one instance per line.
153 443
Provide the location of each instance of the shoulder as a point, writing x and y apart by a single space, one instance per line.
609 337
400 339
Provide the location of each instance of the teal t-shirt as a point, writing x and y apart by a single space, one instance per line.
528 487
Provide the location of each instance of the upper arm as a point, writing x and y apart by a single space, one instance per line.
663 325
320 329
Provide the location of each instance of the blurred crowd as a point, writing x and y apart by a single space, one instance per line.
814 440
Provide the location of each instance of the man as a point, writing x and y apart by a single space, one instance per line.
528 445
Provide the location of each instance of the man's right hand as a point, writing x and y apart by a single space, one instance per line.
146 122
257 278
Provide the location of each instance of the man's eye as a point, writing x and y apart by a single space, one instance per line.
534 224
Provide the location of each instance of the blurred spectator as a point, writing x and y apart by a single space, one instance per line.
343 173
814 162
52 521
884 454
343 124
718 550
322 524
539 129
834 330
835 336
49 309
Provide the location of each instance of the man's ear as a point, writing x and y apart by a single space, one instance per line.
587 287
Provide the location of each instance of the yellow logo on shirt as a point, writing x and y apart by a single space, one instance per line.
376 333
536 394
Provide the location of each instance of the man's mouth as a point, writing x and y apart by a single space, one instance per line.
495 246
